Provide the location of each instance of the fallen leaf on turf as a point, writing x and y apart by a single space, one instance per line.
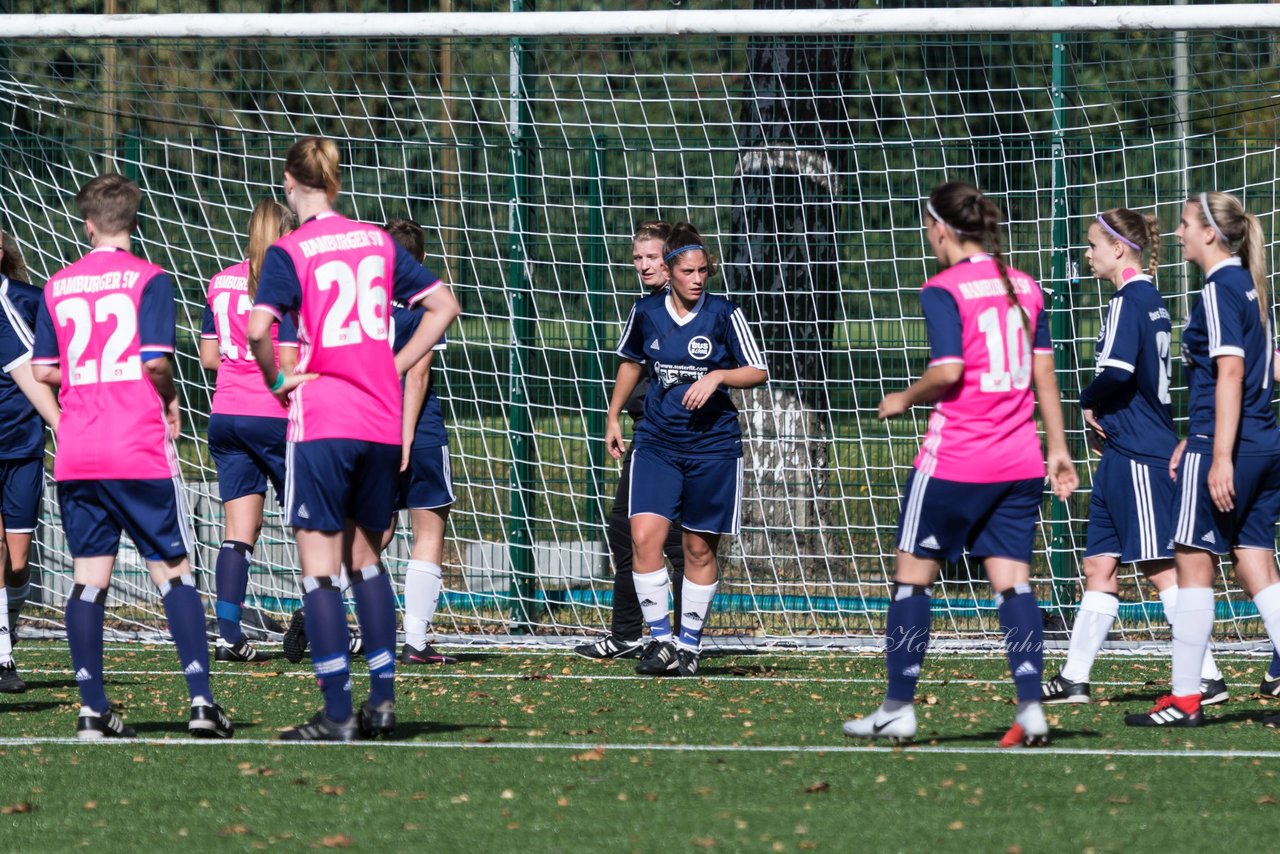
595 754
233 830
338 840
704 841
820 786
507 794
91 805
1267 799
326 789
20 807
956 825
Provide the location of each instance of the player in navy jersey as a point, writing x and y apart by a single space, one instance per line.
1228 468
978 481
338 278
247 423
627 625
426 481
1127 409
25 406
695 346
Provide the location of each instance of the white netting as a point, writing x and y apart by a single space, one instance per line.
802 159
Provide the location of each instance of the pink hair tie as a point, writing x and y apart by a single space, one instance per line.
1117 235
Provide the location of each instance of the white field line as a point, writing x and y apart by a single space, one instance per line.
660 748
258 669
54 646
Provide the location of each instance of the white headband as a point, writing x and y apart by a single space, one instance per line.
1208 214
928 206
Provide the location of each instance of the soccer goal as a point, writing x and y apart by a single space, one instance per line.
801 142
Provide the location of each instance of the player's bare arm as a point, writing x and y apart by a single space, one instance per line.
936 380
629 376
700 392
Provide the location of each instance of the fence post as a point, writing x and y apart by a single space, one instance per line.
1059 304
597 258
520 432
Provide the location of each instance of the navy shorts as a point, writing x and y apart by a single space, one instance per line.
704 494
939 519
1251 525
152 512
332 480
1131 510
428 482
247 451
21 488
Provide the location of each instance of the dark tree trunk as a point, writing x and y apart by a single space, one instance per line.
781 268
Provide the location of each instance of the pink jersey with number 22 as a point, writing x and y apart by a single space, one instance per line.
113 424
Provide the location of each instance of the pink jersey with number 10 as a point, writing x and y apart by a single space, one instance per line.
345 270
240 390
982 430
112 423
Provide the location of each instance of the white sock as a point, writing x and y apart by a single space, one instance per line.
695 604
1030 716
1093 621
1268 604
1192 628
344 579
6 642
1209 667
653 589
422 583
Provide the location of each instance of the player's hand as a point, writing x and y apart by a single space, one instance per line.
1062 475
613 439
1222 484
893 405
1176 460
700 392
1092 421
292 381
173 417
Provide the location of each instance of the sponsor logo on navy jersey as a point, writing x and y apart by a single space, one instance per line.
674 375
700 347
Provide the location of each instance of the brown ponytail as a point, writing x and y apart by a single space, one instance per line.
1153 236
972 216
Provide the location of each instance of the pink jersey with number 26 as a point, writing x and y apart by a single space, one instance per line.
982 430
344 269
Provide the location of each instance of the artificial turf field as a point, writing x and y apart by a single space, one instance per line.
537 751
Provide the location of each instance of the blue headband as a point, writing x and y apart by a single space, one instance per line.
674 252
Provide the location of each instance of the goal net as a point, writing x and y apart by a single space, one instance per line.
530 149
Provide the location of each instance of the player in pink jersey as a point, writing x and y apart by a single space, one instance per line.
248 423
338 278
979 476
104 335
